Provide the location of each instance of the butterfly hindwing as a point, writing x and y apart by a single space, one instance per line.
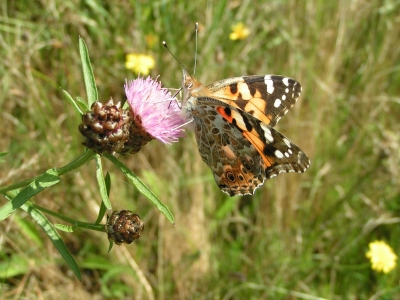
277 152
236 165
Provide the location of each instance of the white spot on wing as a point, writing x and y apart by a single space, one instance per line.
287 142
287 90
269 83
285 81
267 133
278 154
284 97
277 103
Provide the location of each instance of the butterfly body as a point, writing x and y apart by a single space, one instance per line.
233 124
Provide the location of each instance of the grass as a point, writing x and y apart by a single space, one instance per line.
299 237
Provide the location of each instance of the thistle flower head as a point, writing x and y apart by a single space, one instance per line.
155 109
105 127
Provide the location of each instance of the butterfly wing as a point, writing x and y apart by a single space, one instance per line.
277 152
241 150
267 97
233 121
236 165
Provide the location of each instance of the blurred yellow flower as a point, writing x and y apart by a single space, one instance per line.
151 40
139 63
382 257
239 32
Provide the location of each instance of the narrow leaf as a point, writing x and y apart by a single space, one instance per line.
101 182
54 237
65 228
82 104
29 229
39 184
88 76
142 187
72 102
110 246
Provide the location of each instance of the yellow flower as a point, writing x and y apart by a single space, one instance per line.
382 257
239 32
151 40
139 63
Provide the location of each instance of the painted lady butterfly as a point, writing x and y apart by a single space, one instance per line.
233 120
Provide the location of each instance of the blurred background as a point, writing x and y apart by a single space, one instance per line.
301 236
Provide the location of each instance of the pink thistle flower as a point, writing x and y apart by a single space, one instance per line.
155 109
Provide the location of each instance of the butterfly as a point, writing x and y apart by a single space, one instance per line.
233 122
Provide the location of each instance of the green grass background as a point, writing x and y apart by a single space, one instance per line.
299 237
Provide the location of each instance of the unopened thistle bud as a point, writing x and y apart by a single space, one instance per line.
123 227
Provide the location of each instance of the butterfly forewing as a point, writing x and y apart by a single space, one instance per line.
266 97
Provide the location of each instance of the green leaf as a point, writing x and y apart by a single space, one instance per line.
39 184
101 182
110 246
82 104
55 238
2 154
65 228
88 76
73 102
103 208
29 229
14 266
142 187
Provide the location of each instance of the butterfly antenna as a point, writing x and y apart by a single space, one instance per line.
165 45
195 52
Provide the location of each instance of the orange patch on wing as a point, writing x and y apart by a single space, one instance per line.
222 112
259 145
243 89
252 137
257 94
255 107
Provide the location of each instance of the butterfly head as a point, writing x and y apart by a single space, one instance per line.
190 85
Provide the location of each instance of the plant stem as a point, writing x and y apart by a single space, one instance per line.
97 227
